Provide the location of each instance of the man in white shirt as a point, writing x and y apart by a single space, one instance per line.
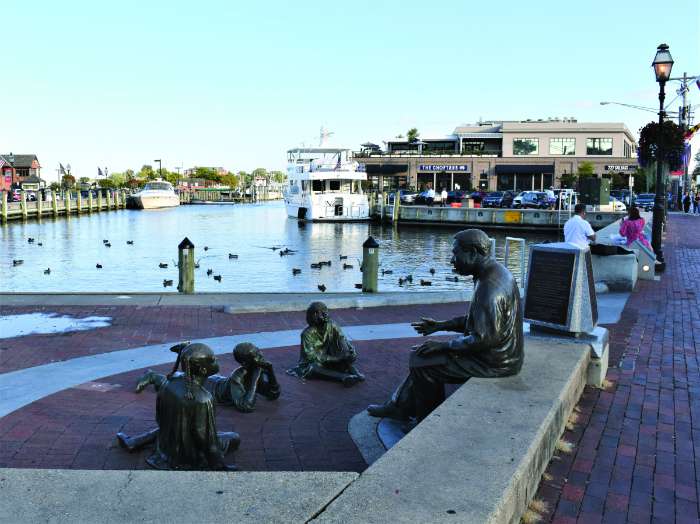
430 197
443 197
577 230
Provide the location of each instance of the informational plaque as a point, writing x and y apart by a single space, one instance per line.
549 286
560 292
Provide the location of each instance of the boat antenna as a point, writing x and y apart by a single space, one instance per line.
323 136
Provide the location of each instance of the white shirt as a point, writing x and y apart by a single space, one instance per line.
431 193
577 230
444 194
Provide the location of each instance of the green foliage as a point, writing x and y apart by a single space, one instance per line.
585 169
245 178
230 180
669 136
207 173
106 183
278 176
412 134
568 180
55 186
147 173
67 181
84 180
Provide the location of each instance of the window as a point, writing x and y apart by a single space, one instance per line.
335 185
318 185
483 180
599 146
562 146
526 146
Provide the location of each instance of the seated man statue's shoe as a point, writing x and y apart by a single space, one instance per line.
387 410
351 380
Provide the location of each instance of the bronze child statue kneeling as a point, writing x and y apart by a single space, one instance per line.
254 377
325 351
186 437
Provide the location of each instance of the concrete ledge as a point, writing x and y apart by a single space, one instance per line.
479 457
44 495
618 272
237 302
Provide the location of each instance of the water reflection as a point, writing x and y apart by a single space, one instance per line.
72 247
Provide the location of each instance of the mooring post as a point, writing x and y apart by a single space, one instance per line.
39 197
79 199
370 265
99 200
185 264
23 205
68 203
54 203
90 201
397 207
4 206
109 199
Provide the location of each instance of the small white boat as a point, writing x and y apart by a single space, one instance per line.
325 185
154 195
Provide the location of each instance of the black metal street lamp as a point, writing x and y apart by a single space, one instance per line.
160 168
662 65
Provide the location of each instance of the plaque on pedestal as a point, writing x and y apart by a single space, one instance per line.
560 292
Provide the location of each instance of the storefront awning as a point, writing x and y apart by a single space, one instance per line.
386 169
525 169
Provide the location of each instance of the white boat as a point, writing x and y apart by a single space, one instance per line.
154 195
324 184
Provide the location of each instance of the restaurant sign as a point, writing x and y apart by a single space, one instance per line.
443 167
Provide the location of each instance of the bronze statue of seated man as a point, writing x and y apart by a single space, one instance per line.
240 389
186 437
325 351
491 344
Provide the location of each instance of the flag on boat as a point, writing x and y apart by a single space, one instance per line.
62 169
100 174
337 166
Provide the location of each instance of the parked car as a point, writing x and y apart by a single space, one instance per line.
498 199
645 201
456 196
478 196
406 197
421 198
623 195
535 200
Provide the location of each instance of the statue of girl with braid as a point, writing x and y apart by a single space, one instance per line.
186 437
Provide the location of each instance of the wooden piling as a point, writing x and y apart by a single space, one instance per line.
67 204
23 205
54 203
109 200
90 201
99 200
3 200
39 205
79 196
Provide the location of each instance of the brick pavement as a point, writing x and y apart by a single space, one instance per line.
134 326
636 442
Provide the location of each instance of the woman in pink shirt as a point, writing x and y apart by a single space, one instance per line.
633 228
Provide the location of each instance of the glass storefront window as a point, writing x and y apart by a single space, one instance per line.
461 181
443 179
526 146
483 181
599 146
562 146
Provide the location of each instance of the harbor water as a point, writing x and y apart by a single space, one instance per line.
72 247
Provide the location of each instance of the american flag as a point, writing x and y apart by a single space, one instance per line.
100 173
337 166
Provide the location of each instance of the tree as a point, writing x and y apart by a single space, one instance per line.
585 169
260 172
147 172
55 186
670 136
245 178
230 180
106 183
412 134
207 173
67 181
84 180
278 176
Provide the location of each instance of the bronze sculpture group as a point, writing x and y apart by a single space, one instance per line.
490 345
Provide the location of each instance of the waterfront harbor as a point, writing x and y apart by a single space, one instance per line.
63 204
71 248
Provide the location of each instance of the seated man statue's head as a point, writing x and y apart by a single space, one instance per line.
470 251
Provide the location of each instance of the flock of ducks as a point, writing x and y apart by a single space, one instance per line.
282 251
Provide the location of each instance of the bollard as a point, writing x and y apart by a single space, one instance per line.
54 203
397 207
79 196
3 198
370 265
67 203
521 242
90 201
185 264
23 205
39 206
109 200
99 200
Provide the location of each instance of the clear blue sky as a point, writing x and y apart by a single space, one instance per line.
219 83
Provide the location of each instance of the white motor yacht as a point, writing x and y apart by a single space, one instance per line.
156 194
324 184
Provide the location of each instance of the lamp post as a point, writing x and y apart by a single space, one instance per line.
160 168
662 65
